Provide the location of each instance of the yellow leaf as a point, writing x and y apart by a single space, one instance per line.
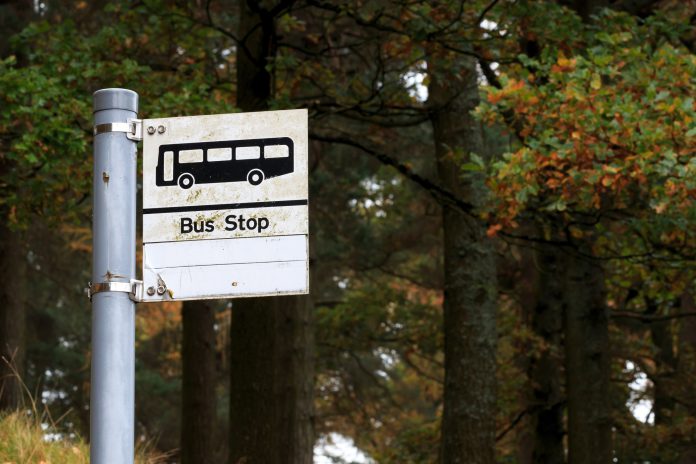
596 82
660 208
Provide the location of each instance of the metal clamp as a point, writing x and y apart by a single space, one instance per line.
134 288
133 128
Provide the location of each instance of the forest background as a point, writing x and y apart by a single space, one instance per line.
502 228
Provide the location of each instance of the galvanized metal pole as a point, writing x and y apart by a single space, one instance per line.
113 312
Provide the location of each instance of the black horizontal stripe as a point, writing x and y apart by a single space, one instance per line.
257 204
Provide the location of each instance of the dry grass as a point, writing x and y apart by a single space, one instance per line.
23 441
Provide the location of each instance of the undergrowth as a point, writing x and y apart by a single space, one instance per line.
26 439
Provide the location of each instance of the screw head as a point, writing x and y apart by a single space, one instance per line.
150 291
161 129
150 130
161 289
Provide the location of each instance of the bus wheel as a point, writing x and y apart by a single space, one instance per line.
186 181
255 176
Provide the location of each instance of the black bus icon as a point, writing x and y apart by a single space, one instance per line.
250 160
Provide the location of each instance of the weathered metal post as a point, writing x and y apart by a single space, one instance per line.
112 411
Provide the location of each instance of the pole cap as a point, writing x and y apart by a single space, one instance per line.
115 99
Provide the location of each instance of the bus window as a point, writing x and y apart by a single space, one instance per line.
220 154
276 151
191 156
168 165
246 153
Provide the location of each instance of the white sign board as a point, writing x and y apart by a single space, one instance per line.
225 206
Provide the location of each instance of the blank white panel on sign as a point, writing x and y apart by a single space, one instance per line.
229 280
208 252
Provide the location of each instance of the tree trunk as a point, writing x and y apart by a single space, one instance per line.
686 339
546 396
545 373
255 86
468 422
14 15
271 339
587 362
585 8
198 415
666 366
271 381
12 317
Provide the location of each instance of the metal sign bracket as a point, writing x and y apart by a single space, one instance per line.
134 288
133 128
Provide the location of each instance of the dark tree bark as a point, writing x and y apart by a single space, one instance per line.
14 15
198 415
468 422
687 358
666 365
587 361
587 339
12 317
272 381
271 361
585 8
546 402
258 46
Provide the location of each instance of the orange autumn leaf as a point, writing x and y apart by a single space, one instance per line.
493 230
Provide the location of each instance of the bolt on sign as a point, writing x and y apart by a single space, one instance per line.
225 206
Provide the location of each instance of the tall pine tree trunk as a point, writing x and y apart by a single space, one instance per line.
198 418
587 362
14 15
686 339
541 295
470 297
12 316
271 360
546 371
271 381
13 271
666 365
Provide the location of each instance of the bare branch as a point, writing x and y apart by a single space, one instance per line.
439 193
650 318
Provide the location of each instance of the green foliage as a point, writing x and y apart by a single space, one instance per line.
610 129
45 126
604 121
382 348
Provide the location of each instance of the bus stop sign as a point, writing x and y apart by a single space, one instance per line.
225 206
